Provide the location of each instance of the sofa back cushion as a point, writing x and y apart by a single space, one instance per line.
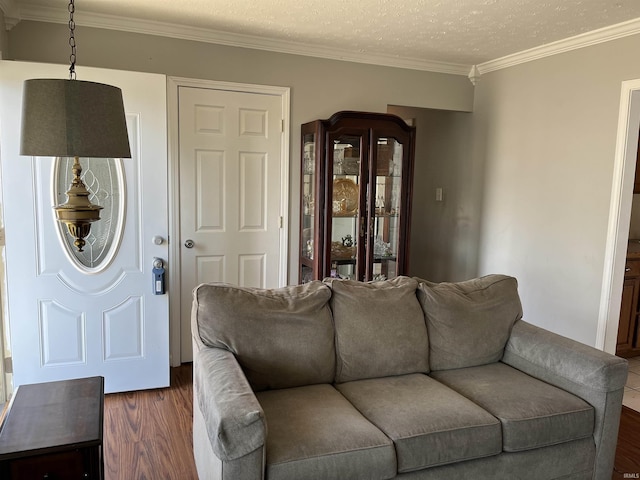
469 322
281 337
380 329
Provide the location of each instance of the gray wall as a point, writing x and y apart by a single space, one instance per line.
444 234
545 132
319 87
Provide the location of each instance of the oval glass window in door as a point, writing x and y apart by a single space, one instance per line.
104 178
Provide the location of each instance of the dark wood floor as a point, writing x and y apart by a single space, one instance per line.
628 450
147 434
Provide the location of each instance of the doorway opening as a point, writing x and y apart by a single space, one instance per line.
619 224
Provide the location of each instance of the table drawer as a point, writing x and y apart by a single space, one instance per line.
55 466
632 268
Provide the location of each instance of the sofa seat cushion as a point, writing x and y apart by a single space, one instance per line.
533 413
429 423
382 317
282 337
313 432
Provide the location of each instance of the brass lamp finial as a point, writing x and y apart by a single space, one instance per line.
78 212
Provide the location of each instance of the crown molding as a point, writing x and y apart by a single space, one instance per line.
606 34
148 27
15 12
8 6
11 13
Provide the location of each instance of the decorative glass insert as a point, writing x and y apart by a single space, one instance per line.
104 178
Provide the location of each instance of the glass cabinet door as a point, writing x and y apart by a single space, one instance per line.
308 214
347 235
385 230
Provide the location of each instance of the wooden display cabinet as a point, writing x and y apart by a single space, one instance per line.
356 175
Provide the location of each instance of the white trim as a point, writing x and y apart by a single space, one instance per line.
173 274
283 274
602 35
173 83
619 215
7 6
11 13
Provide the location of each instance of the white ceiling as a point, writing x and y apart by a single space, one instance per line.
441 35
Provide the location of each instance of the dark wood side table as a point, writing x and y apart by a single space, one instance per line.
53 431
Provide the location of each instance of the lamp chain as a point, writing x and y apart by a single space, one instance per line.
72 41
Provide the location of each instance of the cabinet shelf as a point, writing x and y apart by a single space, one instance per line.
352 261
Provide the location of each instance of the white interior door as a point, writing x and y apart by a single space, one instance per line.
68 320
231 192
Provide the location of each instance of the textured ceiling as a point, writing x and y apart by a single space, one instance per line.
465 32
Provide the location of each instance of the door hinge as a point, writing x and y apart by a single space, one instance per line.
282 125
8 365
281 222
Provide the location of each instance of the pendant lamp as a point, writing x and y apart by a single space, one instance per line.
74 118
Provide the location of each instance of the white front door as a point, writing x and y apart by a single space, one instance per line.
232 192
69 319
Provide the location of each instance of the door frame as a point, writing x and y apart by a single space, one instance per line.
619 215
174 281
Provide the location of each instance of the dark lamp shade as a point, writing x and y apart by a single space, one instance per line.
73 118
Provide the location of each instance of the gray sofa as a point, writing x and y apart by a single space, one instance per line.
396 379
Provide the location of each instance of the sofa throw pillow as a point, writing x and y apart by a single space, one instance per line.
469 322
380 329
281 337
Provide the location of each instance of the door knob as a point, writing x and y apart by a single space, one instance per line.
189 244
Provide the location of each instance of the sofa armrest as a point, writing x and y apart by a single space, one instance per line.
560 360
234 419
595 376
